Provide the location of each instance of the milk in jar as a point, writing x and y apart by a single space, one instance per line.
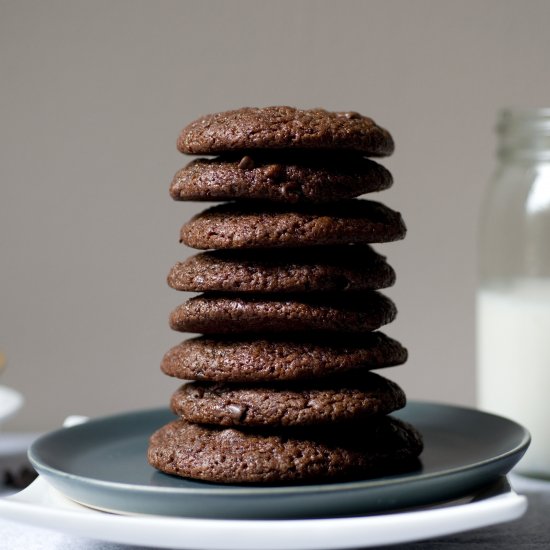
513 332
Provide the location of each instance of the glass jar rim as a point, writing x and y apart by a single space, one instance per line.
535 119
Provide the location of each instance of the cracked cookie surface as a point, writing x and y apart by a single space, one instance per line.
215 313
287 358
229 455
281 178
336 268
282 127
332 400
265 225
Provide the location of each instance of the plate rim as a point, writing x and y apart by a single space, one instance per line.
239 490
364 531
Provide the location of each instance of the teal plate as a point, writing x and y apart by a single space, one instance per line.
102 464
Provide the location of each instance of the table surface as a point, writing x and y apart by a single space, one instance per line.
530 531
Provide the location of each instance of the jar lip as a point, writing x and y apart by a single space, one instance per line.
532 112
517 117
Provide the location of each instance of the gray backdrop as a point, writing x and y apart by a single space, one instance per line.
92 97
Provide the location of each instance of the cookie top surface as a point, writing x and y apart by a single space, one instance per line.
269 359
344 268
263 225
342 399
229 455
265 313
282 178
282 127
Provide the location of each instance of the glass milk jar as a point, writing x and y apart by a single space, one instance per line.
513 298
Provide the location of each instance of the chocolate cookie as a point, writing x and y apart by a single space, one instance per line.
287 178
263 225
345 268
249 313
229 455
269 359
253 128
330 400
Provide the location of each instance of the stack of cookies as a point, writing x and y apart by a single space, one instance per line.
281 385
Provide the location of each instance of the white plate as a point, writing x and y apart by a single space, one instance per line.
10 402
42 506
